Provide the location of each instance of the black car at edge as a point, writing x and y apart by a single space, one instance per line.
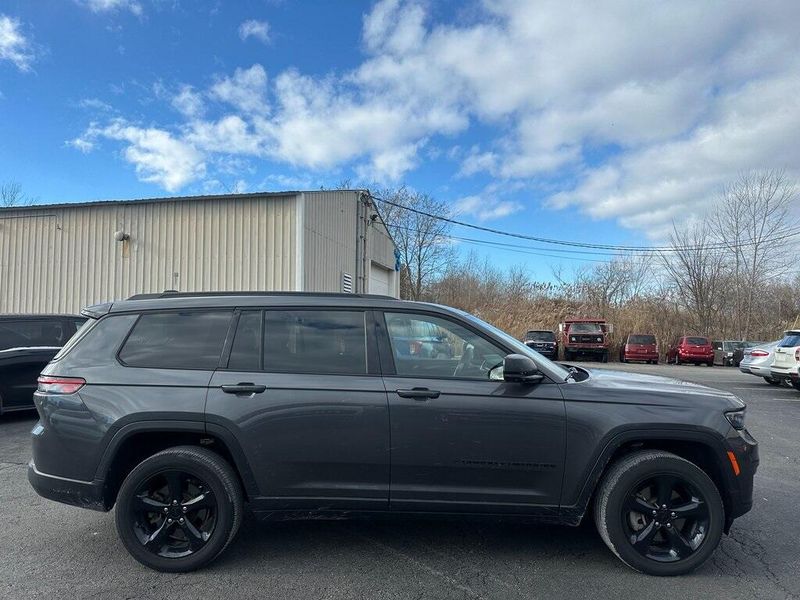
27 343
181 408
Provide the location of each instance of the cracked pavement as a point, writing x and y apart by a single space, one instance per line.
48 550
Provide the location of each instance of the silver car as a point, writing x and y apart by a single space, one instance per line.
758 361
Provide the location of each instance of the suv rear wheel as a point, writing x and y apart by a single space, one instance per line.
179 509
660 514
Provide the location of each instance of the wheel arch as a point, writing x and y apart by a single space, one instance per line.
137 441
703 448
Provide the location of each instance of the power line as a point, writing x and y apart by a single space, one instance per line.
643 249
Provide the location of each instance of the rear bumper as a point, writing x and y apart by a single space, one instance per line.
640 356
85 494
746 370
783 373
760 371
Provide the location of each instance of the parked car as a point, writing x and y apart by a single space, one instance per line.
691 349
27 344
787 357
639 347
178 409
585 337
738 353
724 351
544 342
758 361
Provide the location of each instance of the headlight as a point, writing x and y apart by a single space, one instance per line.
736 418
730 354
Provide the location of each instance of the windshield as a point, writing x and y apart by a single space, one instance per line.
548 366
642 339
585 328
540 336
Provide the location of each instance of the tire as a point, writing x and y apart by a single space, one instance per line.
225 499
604 357
772 381
710 364
796 385
615 526
677 359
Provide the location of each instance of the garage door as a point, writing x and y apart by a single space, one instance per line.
379 280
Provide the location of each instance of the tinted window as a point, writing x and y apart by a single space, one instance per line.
642 339
540 336
585 328
697 341
790 341
311 341
26 333
246 349
450 350
177 340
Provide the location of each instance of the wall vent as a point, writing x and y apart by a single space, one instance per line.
347 283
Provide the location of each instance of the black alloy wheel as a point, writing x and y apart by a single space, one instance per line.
179 509
665 518
173 514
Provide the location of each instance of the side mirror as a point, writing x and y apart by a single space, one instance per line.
518 368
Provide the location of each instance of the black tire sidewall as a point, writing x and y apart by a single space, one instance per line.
224 517
642 471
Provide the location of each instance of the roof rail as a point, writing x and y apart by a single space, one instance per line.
177 294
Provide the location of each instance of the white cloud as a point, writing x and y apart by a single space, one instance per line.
82 144
14 46
188 102
630 111
255 29
100 6
246 90
485 209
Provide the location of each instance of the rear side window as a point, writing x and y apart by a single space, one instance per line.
790 341
29 333
697 341
642 339
312 341
177 340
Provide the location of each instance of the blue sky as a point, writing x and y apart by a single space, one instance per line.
555 120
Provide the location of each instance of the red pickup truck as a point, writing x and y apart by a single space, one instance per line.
585 337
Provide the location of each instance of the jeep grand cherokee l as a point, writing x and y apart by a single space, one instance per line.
181 408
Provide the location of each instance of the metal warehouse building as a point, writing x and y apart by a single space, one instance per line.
60 257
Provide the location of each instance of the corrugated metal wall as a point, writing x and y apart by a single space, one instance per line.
59 259
329 239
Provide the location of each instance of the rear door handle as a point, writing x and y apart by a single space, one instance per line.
244 388
418 393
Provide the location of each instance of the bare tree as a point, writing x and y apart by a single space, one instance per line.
421 236
11 194
696 267
753 213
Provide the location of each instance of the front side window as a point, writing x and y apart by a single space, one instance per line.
177 340
315 341
426 346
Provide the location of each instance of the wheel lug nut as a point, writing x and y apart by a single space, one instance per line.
166 510
655 512
174 501
668 524
181 520
673 515
169 520
658 524
663 506
184 509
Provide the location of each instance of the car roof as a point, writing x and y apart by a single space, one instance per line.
33 317
171 301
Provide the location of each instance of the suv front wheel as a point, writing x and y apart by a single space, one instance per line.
659 513
179 509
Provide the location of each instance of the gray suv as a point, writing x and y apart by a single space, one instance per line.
181 408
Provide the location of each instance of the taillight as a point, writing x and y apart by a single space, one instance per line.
60 385
797 355
759 353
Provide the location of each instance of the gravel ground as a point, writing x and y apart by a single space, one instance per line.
48 550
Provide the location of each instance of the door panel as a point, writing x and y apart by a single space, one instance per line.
460 441
478 447
313 441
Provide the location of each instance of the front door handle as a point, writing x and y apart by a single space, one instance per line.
244 388
418 393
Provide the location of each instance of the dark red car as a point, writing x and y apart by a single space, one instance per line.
691 349
639 347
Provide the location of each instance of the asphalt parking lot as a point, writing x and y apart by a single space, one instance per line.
48 550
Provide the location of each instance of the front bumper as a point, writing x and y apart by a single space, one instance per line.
85 494
745 449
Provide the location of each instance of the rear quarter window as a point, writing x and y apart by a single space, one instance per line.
177 340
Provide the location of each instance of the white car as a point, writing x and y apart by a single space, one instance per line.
758 361
787 359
